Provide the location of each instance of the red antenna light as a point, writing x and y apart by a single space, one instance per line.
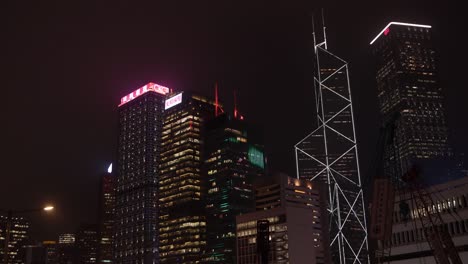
216 98
235 104
387 31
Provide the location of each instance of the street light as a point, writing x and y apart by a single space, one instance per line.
10 212
48 208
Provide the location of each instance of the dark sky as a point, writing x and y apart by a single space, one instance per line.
66 66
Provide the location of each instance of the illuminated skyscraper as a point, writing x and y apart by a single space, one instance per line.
408 85
87 243
66 249
182 221
329 154
233 161
66 239
106 217
19 229
140 127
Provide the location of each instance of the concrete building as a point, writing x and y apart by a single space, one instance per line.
408 243
288 209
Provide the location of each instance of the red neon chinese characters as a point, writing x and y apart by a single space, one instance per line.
150 87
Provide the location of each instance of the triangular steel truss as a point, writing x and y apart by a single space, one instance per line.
329 154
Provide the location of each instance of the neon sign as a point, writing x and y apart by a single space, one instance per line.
175 100
150 87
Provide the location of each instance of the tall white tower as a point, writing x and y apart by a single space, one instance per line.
329 154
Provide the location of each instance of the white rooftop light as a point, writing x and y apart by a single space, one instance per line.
398 23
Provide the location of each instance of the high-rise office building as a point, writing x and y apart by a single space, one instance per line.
66 249
329 154
136 210
290 217
19 229
182 221
106 217
410 95
67 238
87 243
233 160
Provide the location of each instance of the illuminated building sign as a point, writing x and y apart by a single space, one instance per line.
175 100
256 157
150 87
386 30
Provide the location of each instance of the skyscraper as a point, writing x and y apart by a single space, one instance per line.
106 216
87 243
140 127
67 251
182 221
408 86
233 160
329 154
19 229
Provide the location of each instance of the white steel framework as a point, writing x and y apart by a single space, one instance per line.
329 154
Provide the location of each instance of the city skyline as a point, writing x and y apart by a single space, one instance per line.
70 99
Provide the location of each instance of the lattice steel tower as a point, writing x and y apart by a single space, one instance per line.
329 154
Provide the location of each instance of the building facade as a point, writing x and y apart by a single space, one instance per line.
136 209
87 243
233 159
289 211
411 96
408 243
182 221
329 154
19 229
51 251
106 217
42 253
66 249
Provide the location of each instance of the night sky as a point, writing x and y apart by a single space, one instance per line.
65 68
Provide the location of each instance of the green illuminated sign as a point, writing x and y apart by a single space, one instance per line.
256 157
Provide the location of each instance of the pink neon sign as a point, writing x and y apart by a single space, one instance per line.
150 87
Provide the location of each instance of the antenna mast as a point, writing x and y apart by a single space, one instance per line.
235 104
216 99
324 30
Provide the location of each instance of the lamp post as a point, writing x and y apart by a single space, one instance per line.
10 212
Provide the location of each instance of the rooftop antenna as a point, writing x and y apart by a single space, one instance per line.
235 104
217 107
313 33
216 99
324 30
